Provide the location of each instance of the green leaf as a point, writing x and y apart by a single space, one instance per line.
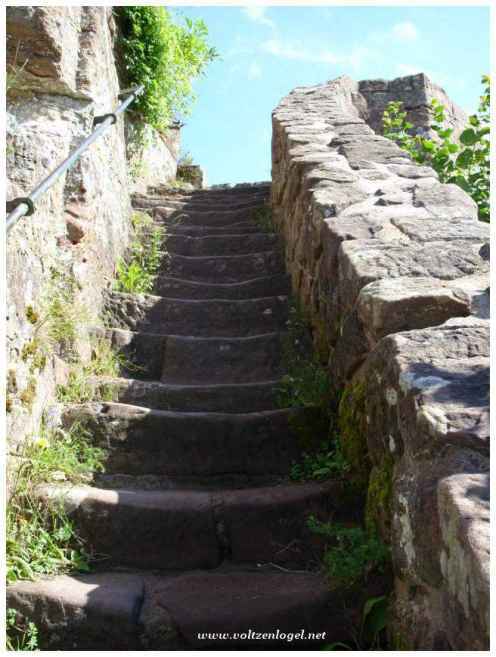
468 137
465 158
374 619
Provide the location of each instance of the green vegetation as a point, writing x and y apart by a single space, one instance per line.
22 634
306 383
185 160
31 315
137 273
41 538
325 462
104 361
352 429
379 494
351 553
262 216
165 56
370 634
466 164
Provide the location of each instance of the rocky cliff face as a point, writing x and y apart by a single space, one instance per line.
62 73
391 266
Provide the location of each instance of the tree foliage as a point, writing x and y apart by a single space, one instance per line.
165 56
465 163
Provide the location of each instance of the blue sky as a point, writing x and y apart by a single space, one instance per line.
267 51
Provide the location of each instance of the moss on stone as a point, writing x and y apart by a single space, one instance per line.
378 507
29 349
28 395
321 339
352 424
31 315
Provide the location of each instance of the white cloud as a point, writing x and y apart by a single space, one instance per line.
254 71
257 14
404 31
296 51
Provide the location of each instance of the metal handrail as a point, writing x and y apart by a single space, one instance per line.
25 205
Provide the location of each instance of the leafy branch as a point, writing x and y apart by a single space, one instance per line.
465 163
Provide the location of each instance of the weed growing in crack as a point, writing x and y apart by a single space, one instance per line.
22 634
306 382
327 461
370 634
41 538
137 273
262 216
351 554
104 361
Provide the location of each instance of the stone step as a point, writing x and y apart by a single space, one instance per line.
144 611
192 360
195 217
263 286
207 204
222 360
206 200
225 268
184 529
207 318
141 440
221 245
238 228
230 398
164 482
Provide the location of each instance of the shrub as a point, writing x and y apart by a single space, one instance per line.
164 56
465 164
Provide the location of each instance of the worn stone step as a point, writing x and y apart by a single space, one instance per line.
171 205
205 195
221 245
97 611
141 440
181 529
196 360
198 483
144 611
242 609
228 398
207 318
238 228
208 200
225 268
222 360
195 217
263 286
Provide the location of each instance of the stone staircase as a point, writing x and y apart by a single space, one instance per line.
195 521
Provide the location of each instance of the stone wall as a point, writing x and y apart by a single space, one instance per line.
152 156
416 93
391 266
61 74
